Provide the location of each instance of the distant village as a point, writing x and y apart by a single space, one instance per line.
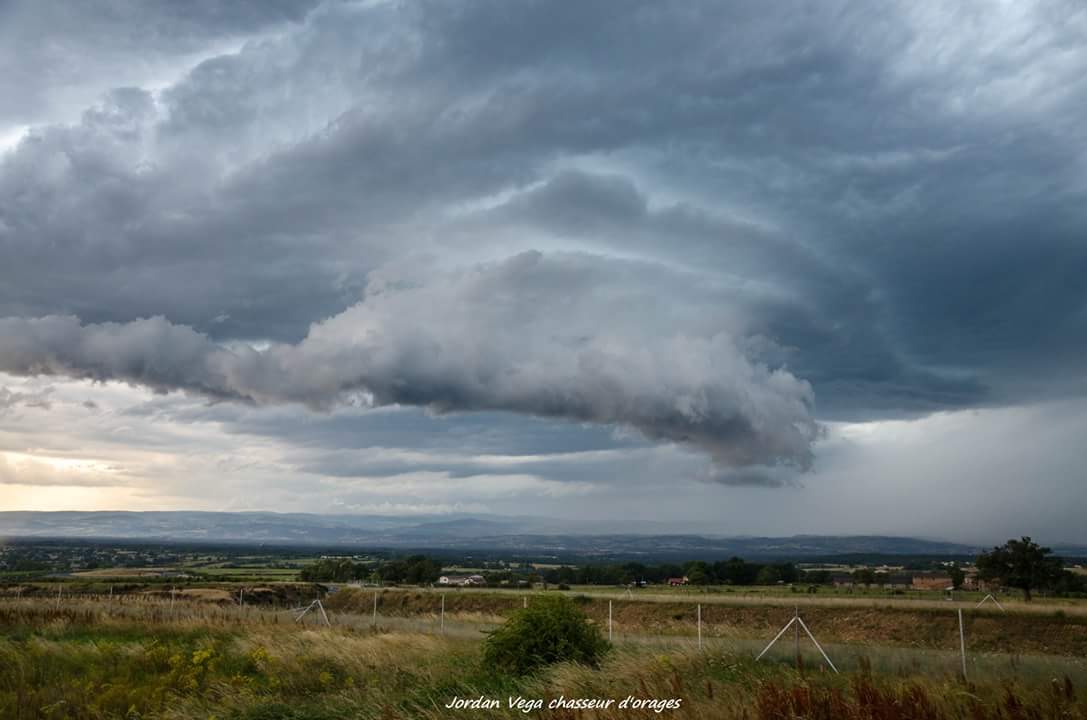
166 563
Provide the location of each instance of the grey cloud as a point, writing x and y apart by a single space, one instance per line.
878 243
57 55
884 203
37 399
352 426
495 337
815 314
622 466
769 477
625 467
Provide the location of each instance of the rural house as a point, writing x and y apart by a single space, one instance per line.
461 580
931 581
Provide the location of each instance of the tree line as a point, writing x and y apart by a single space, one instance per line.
412 570
734 571
1020 564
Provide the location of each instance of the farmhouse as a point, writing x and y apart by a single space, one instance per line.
461 580
931 581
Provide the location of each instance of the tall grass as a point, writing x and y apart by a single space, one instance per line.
151 660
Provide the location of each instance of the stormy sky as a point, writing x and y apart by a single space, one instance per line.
730 267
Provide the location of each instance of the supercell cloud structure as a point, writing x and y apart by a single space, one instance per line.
703 233
491 338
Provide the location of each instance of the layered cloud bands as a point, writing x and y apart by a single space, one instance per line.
514 336
665 215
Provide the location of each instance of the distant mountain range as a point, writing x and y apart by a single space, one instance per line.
520 535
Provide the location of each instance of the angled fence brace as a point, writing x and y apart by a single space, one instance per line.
776 638
315 604
796 619
820 647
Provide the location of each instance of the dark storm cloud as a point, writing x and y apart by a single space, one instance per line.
821 314
361 427
886 203
55 54
496 337
623 466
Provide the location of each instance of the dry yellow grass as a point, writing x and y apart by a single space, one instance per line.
95 659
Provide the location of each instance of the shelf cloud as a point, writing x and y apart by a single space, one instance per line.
702 232
502 336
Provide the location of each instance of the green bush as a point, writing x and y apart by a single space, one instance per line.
552 629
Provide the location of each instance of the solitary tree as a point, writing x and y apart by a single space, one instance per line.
957 576
1020 564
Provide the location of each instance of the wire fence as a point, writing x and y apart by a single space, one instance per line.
802 646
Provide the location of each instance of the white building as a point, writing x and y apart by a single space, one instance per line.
461 580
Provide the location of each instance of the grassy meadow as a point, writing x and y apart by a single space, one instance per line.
153 657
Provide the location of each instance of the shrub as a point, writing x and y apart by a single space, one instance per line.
552 629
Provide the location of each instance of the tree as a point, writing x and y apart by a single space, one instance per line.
697 573
864 576
768 575
415 569
332 570
957 576
787 572
735 571
1021 564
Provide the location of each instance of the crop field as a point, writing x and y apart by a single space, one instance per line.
198 653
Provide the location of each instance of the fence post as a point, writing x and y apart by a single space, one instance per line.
962 645
609 620
375 609
797 638
699 626
443 614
